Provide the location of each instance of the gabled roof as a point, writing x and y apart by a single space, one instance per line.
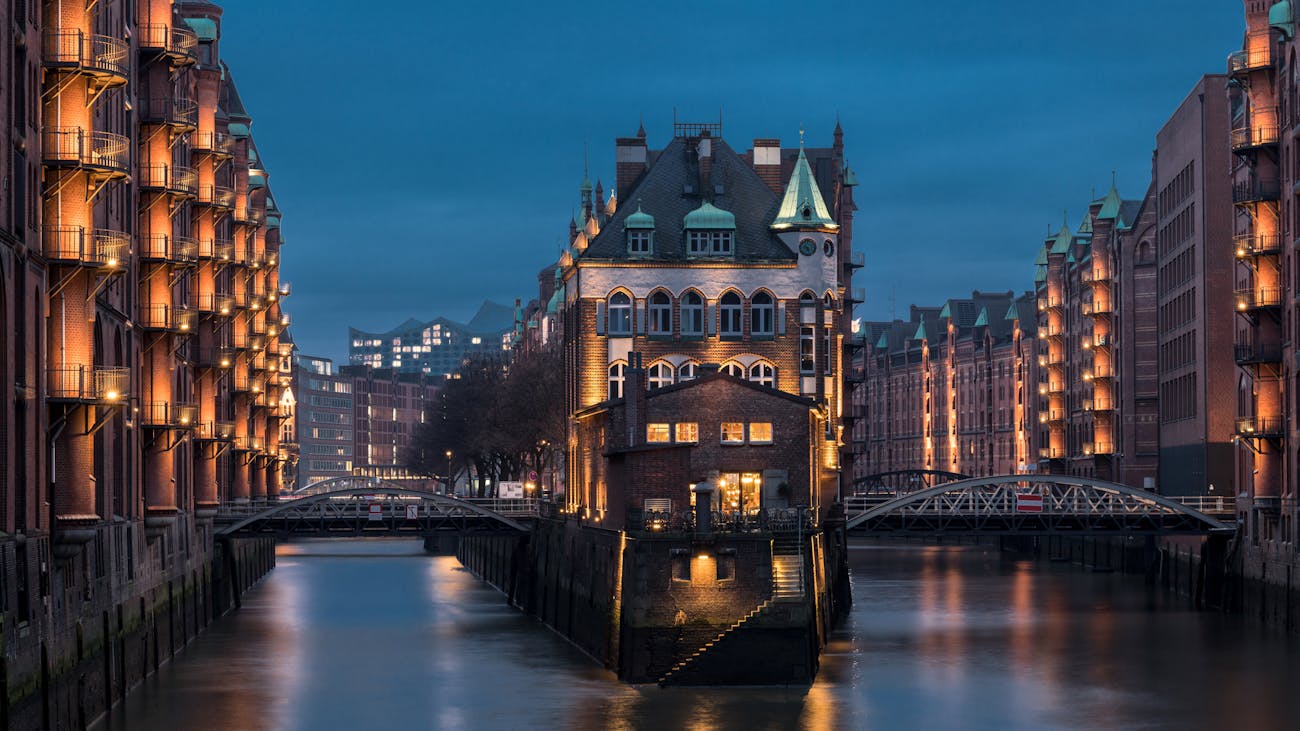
670 190
1061 244
803 204
983 319
1110 204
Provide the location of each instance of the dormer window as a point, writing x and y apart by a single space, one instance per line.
709 243
710 231
640 227
638 242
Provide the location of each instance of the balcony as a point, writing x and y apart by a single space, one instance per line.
221 305
103 154
1244 61
1098 341
1256 191
223 250
1247 245
215 357
178 44
218 431
1101 308
1253 354
1056 415
219 144
250 342
1244 139
174 179
1258 298
184 251
216 196
286 289
168 318
856 260
73 245
90 384
856 295
1050 453
1103 404
246 443
102 58
1260 426
169 415
1103 448
177 112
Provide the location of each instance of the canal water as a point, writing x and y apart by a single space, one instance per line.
379 635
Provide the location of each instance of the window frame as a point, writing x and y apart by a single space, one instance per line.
640 241
616 373
762 315
661 429
694 432
623 316
659 307
758 440
731 314
692 314
660 373
723 430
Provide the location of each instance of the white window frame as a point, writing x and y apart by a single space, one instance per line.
731 316
661 314
620 314
659 374
692 314
735 440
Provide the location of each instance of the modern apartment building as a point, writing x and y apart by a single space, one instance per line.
437 347
140 310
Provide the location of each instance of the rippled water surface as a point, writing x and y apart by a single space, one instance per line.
379 635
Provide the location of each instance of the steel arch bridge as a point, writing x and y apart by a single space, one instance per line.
900 481
1032 505
377 508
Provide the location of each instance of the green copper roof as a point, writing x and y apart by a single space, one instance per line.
708 216
204 28
1013 312
256 179
1041 259
1110 205
1061 244
239 130
1040 276
641 219
920 330
946 311
1070 258
883 342
983 319
803 204
1282 17
1086 226
850 178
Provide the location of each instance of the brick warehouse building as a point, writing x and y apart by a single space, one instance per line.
717 257
140 306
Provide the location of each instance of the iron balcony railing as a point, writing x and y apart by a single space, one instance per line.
246 443
1103 404
1050 453
170 110
167 317
97 248
167 414
181 44
1258 297
1260 426
1103 447
216 143
223 250
184 250
1256 191
217 196
857 260
223 431
1246 138
1246 245
217 304
1257 56
175 179
214 357
1251 353
777 520
1102 307
102 152
88 383
103 57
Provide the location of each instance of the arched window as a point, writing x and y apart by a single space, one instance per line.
617 374
692 314
661 314
732 368
688 371
762 314
659 374
729 310
620 314
763 374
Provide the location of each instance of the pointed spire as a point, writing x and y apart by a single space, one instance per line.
920 330
803 204
640 127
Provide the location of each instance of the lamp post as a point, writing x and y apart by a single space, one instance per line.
450 485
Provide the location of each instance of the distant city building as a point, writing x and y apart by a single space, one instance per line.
437 347
357 420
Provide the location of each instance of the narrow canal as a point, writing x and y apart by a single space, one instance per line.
379 635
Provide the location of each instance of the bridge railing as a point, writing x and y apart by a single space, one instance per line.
771 519
1219 506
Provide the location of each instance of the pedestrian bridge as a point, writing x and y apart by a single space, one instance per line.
1035 505
367 507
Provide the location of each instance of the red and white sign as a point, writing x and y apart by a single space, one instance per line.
376 511
1029 503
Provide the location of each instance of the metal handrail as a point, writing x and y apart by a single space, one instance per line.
92 52
100 247
90 148
88 383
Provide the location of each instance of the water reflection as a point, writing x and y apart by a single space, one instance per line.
378 635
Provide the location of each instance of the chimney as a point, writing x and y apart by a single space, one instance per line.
767 162
704 154
630 156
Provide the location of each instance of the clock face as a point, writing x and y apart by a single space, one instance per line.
807 247
828 248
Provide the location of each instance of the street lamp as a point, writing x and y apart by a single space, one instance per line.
450 489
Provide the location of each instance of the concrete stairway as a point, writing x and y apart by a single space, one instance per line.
787 577
680 667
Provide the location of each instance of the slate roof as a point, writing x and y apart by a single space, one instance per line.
662 194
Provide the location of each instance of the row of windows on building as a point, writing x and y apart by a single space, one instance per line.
640 241
661 373
694 318
729 433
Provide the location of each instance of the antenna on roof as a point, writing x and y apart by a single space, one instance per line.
892 302
801 134
1112 178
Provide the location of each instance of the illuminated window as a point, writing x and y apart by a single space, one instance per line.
657 433
762 314
617 374
732 368
620 314
729 311
807 350
692 314
661 314
659 374
763 374
760 432
733 432
688 432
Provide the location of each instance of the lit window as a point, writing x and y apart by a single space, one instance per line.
620 314
760 432
617 374
657 433
730 315
659 375
763 374
692 314
661 314
688 432
476 341
733 432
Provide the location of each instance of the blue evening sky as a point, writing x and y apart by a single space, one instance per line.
427 155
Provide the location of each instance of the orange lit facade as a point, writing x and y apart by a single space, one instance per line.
140 306
704 256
